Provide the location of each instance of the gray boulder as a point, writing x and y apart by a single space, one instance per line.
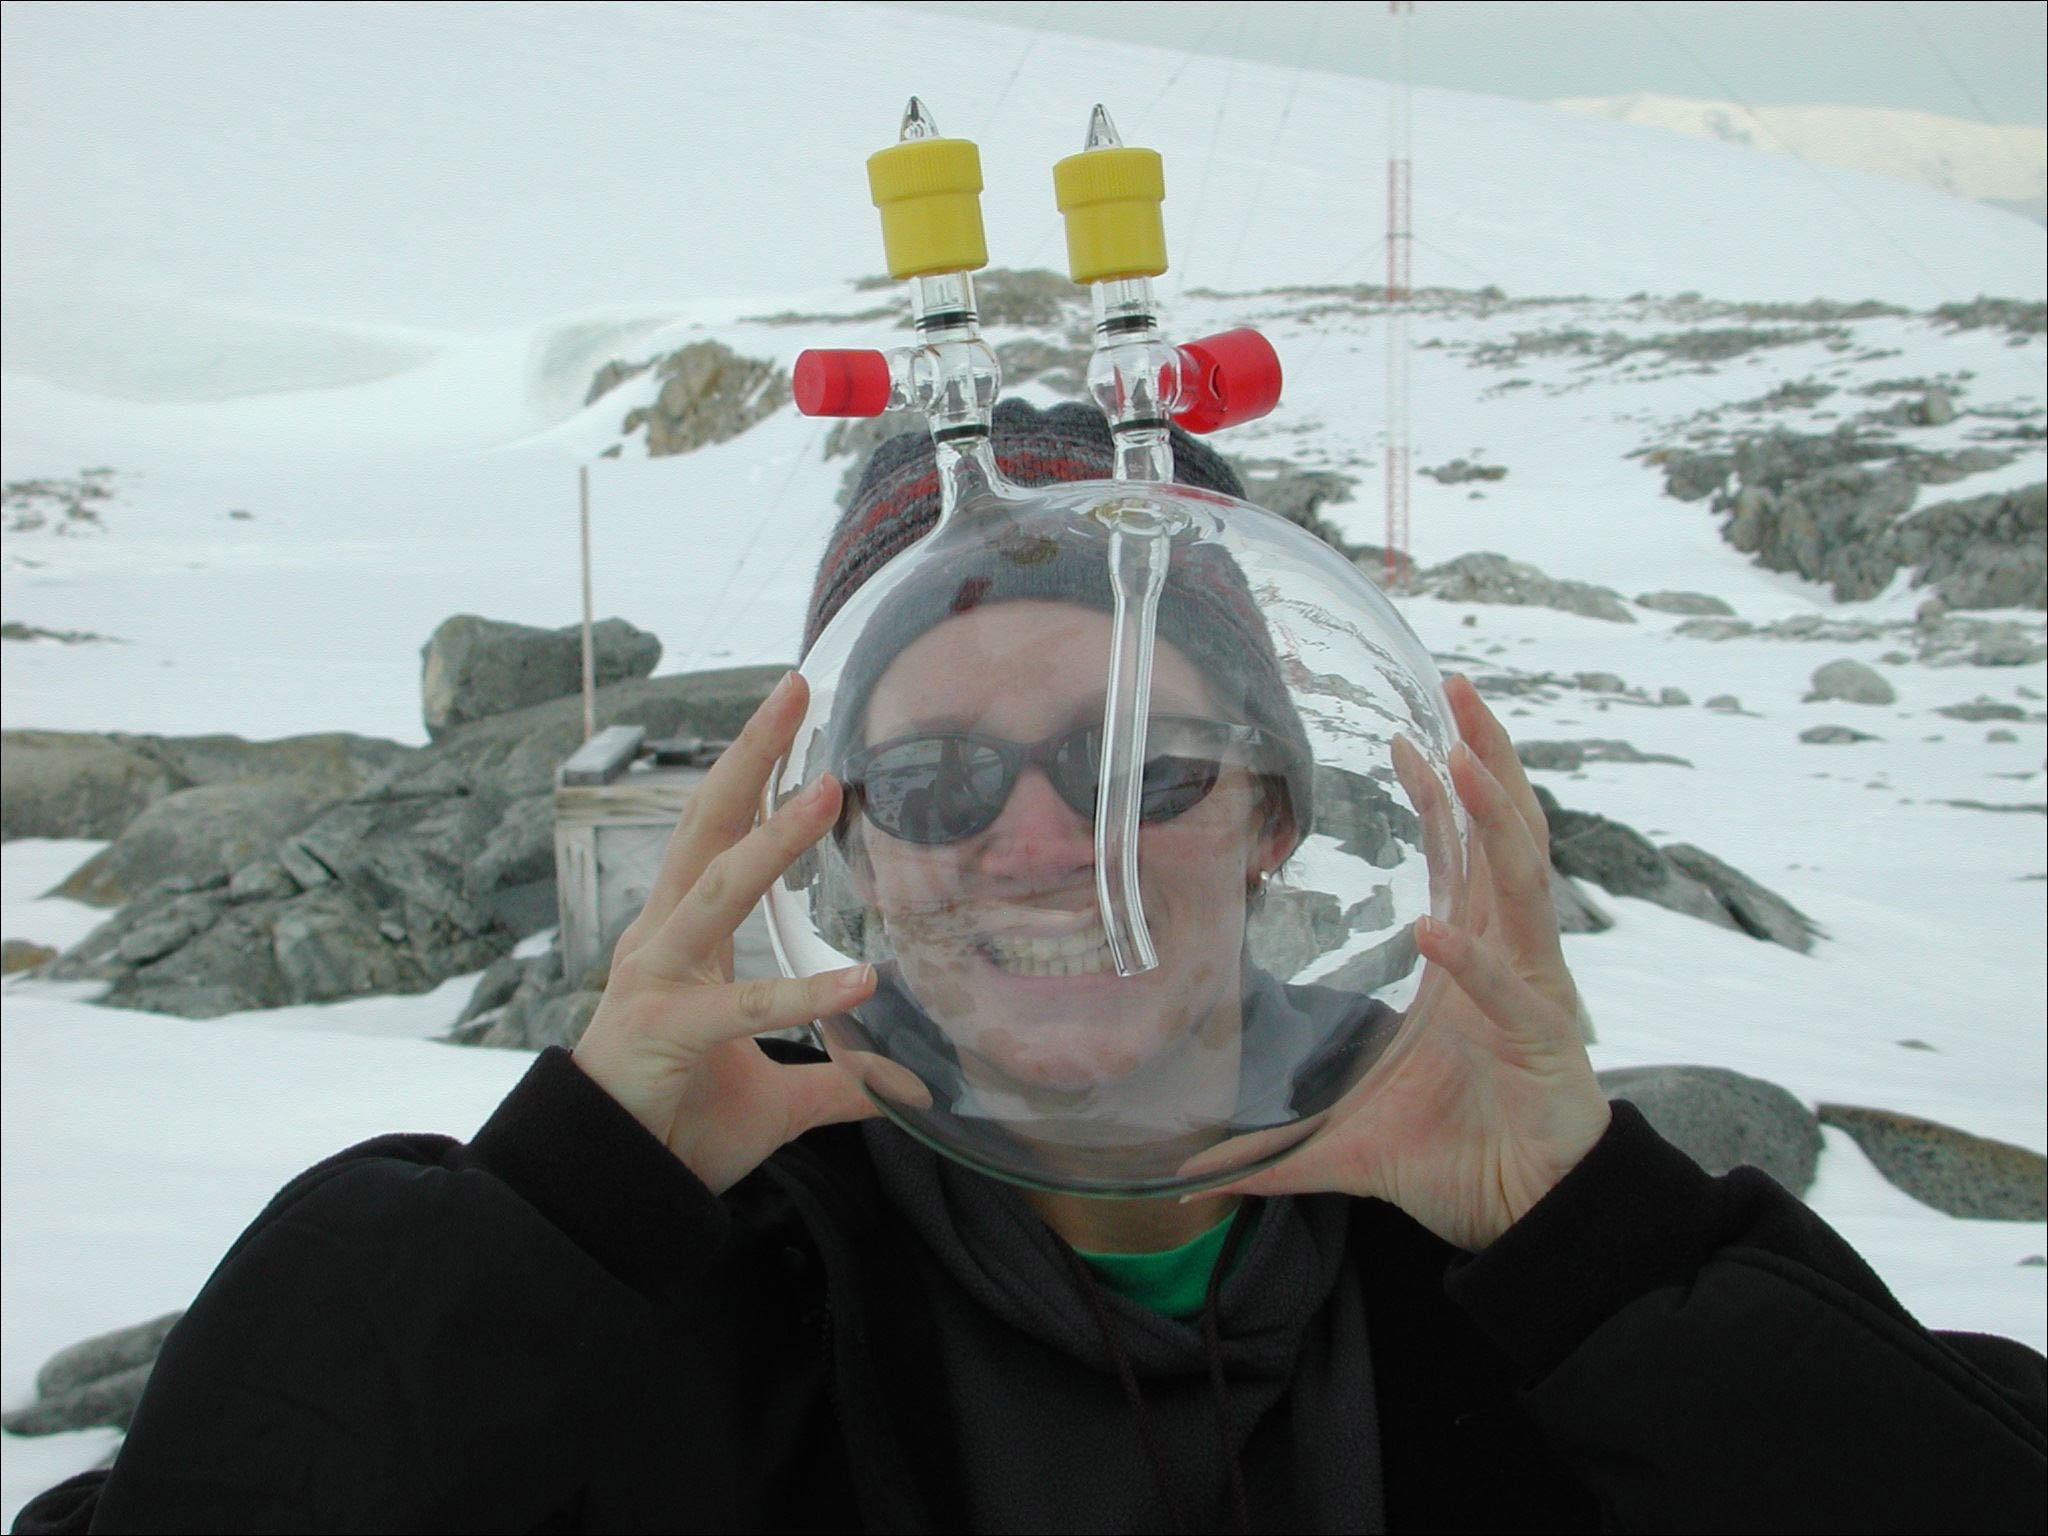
1025 296
1685 602
1840 508
1298 494
1621 860
1830 527
709 393
1851 682
93 1384
1601 750
523 1002
1367 821
74 784
1484 577
435 869
1715 629
1834 736
1981 708
1758 912
1290 928
1458 471
108 1403
203 834
2006 647
1724 704
104 1355
1062 369
23 955
1986 551
557 1018
1955 1172
1723 1119
473 668
1576 911
1553 756
1691 475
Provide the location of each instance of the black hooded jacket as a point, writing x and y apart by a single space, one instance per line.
555 1326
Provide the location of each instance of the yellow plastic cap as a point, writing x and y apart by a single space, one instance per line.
929 191
1111 198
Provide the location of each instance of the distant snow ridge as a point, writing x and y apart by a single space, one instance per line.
2006 165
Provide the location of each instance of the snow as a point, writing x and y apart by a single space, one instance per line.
348 271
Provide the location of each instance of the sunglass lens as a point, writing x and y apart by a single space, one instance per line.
1174 785
936 790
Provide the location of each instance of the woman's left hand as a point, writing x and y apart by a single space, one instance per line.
1496 1101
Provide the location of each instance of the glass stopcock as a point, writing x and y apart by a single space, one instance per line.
1144 786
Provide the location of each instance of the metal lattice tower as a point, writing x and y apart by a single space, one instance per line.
1400 252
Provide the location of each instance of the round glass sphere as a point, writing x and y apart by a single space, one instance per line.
1297 818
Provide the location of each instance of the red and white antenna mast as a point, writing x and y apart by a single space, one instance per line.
1400 250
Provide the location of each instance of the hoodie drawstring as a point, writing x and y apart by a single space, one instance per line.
1212 1345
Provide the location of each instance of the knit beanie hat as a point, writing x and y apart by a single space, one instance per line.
1206 609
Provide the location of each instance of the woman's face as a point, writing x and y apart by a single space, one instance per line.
997 935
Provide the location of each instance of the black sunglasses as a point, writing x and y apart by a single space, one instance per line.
942 786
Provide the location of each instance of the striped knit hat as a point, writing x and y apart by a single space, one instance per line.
1206 608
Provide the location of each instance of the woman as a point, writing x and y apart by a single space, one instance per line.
680 1282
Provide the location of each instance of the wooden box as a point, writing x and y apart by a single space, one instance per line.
614 813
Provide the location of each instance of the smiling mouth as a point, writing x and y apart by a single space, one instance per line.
1075 954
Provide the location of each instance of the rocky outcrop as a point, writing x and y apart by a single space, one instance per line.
1850 682
201 836
1620 860
18 955
1934 638
1459 471
1982 552
434 869
1722 1119
473 667
1952 1170
1839 508
73 784
1484 577
709 393
1061 369
94 1384
1697 603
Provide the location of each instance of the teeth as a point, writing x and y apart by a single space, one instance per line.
1076 954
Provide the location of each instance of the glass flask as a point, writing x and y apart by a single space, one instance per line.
1144 787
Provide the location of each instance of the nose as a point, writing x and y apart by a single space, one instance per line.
1037 837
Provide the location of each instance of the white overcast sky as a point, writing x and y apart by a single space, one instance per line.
1961 58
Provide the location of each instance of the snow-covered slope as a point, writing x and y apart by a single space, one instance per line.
324 287
2002 163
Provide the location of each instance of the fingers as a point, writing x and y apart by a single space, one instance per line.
734 880
823 1094
724 804
1518 870
1439 827
1521 1014
711 1015
1488 738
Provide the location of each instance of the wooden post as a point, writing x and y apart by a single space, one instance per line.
589 654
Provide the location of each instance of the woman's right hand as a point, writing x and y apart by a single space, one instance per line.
671 1039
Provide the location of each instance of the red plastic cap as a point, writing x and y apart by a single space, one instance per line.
841 383
1239 374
